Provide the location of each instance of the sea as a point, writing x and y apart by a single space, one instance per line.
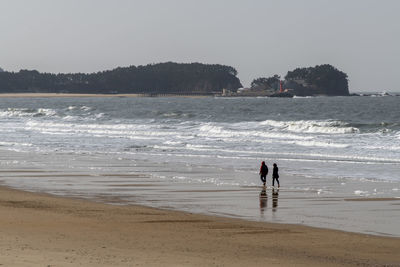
202 155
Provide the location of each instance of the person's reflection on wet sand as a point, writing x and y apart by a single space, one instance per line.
275 195
263 200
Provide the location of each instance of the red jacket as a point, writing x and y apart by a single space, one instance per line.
263 169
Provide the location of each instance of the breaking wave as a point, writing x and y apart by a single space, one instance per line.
310 126
25 112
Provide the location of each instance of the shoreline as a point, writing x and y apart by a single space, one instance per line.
43 230
55 95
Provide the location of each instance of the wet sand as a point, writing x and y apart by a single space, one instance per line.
374 199
322 203
43 230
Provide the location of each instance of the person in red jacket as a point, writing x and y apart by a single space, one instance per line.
263 172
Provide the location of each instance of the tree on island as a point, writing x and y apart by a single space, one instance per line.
161 78
262 83
319 80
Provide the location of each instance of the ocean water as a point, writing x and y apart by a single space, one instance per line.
201 154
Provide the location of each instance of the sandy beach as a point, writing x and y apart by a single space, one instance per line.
43 230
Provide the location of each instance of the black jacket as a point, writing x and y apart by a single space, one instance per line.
275 172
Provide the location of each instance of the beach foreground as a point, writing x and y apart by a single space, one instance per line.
42 230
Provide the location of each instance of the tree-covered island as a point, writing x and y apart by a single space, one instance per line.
311 81
162 78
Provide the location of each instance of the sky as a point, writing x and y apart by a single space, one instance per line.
259 38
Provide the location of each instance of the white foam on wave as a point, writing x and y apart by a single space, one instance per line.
87 117
15 144
46 112
387 147
348 158
361 193
211 137
202 147
310 126
25 112
85 108
215 131
172 143
320 144
69 118
99 115
165 147
130 131
56 125
303 97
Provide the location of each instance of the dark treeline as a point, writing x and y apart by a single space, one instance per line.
321 79
162 78
266 83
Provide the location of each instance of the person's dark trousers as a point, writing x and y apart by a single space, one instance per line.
263 178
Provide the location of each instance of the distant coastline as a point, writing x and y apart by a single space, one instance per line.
178 79
65 95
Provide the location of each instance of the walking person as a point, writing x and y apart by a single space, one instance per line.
263 172
275 175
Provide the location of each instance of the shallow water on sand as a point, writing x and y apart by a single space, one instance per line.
322 202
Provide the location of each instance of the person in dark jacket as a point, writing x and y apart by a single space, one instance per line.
275 175
263 172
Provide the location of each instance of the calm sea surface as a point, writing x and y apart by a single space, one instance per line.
328 143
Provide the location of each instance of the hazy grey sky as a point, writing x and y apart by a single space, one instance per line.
257 37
